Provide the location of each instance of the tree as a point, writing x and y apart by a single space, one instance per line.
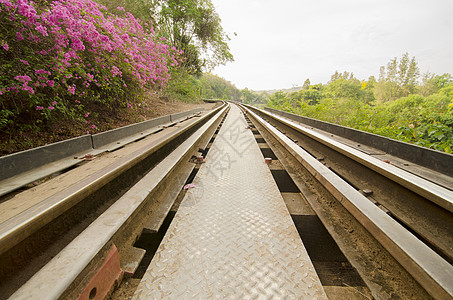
249 96
306 84
215 87
399 80
192 26
345 75
313 94
343 88
279 101
408 73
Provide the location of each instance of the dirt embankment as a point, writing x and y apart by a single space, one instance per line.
30 136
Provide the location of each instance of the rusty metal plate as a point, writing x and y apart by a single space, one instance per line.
232 236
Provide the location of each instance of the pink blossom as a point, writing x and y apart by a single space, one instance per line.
93 126
42 71
28 89
39 107
54 103
5 45
51 107
24 62
87 114
42 30
115 71
19 36
80 34
23 79
71 89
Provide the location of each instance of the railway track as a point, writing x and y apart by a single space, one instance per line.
407 219
392 227
53 236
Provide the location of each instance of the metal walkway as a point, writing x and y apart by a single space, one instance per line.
232 236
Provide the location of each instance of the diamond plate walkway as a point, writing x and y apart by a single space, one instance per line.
232 236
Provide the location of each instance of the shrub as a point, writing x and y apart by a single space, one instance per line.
62 56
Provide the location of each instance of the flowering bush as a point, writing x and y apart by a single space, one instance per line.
62 56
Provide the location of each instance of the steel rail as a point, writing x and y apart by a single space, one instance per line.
435 160
24 224
58 275
431 191
432 272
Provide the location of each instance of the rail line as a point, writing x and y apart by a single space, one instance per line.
410 217
69 222
60 239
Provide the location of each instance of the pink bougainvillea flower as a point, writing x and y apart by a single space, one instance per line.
42 71
87 114
51 107
23 79
5 45
19 36
115 71
82 38
71 89
28 89
41 29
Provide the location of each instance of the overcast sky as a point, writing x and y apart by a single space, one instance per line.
280 43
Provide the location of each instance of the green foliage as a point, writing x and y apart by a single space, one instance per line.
399 80
306 84
189 88
279 100
432 83
425 119
313 94
214 87
183 86
192 26
252 97
342 88
58 65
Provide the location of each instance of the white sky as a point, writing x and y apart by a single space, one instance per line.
280 43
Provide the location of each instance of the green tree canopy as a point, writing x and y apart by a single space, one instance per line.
399 79
192 26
